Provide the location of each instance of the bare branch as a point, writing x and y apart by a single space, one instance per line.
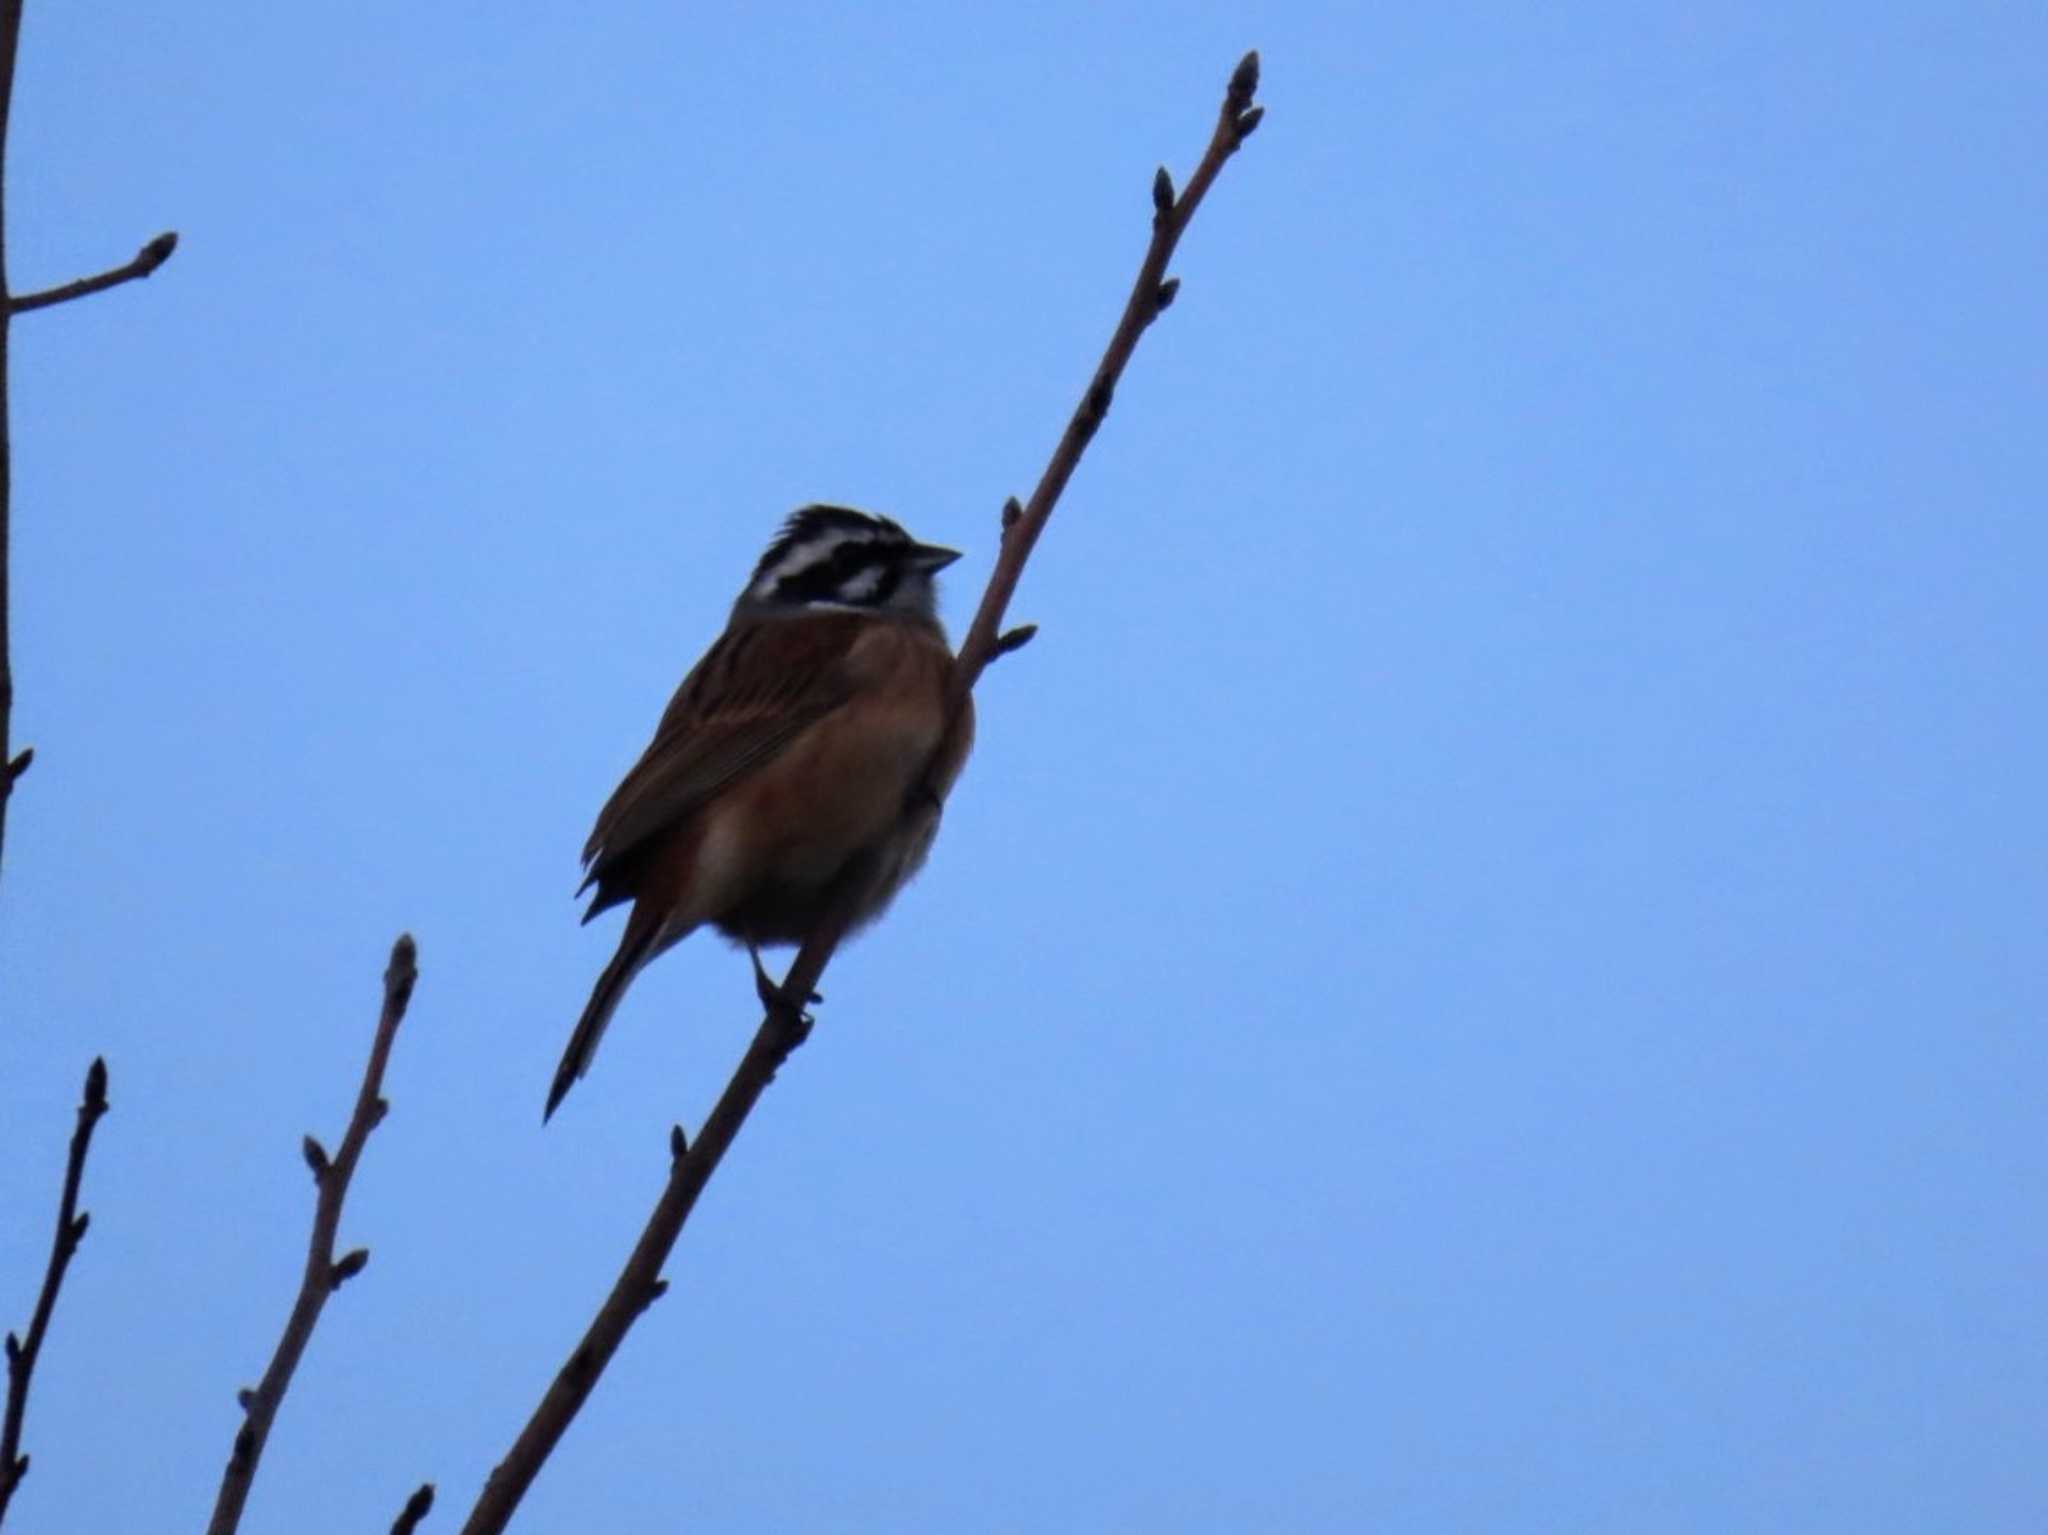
71 1227
10 38
324 1274
1148 298
147 260
785 1025
640 1284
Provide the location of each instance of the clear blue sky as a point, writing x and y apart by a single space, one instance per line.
1487 971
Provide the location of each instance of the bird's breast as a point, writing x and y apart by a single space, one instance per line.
777 839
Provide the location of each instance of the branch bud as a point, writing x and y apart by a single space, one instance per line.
1013 639
417 1507
347 1267
402 972
1244 83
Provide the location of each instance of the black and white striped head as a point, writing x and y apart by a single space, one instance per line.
836 558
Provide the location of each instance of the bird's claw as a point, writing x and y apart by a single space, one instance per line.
771 994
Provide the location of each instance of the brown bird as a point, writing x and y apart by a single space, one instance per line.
806 744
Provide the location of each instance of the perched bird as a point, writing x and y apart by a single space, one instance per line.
806 744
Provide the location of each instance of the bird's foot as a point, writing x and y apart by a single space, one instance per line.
771 994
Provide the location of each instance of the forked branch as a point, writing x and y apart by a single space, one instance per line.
324 1272
71 1226
785 1026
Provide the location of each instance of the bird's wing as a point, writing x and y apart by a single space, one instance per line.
757 688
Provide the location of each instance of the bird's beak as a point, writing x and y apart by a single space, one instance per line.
931 558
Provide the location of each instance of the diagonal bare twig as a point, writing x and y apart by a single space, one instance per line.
147 260
71 1227
1151 292
786 1027
324 1272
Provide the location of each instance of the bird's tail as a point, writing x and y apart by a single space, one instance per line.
636 948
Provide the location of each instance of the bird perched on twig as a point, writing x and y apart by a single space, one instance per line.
809 744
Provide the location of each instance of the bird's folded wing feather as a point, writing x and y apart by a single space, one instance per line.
732 713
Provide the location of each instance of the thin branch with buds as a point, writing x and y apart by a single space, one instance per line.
71 1227
147 260
786 1026
1151 294
325 1273
11 767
